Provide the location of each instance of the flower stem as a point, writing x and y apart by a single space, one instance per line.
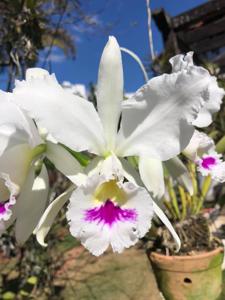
183 202
205 188
173 198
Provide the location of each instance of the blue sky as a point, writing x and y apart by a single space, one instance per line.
130 28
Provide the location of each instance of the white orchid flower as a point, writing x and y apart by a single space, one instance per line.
152 167
201 150
24 195
156 125
213 96
107 210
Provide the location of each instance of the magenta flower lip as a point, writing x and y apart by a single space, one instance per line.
109 214
2 208
208 162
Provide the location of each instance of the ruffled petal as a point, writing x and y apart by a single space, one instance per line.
211 163
215 94
218 173
119 224
70 119
31 204
157 121
212 106
8 195
181 62
8 191
151 172
110 90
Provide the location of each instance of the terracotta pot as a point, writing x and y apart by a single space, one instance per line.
197 277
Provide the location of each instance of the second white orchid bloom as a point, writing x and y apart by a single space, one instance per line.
23 195
155 125
202 151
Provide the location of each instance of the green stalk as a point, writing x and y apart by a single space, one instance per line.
173 198
183 202
205 188
170 208
192 168
189 201
194 197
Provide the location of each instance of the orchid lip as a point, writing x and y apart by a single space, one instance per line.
5 208
208 162
2 208
109 214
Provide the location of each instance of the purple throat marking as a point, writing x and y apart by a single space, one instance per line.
109 213
2 208
208 162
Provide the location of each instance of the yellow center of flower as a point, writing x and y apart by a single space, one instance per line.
110 191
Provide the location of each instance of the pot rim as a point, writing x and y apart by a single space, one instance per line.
187 257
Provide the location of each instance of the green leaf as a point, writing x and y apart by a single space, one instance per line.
32 280
24 293
8 296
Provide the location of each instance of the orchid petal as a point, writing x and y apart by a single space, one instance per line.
179 172
63 161
204 118
212 106
199 144
31 204
218 173
51 106
151 172
97 233
110 90
157 121
211 163
15 126
15 161
181 62
8 191
167 223
215 94
49 216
